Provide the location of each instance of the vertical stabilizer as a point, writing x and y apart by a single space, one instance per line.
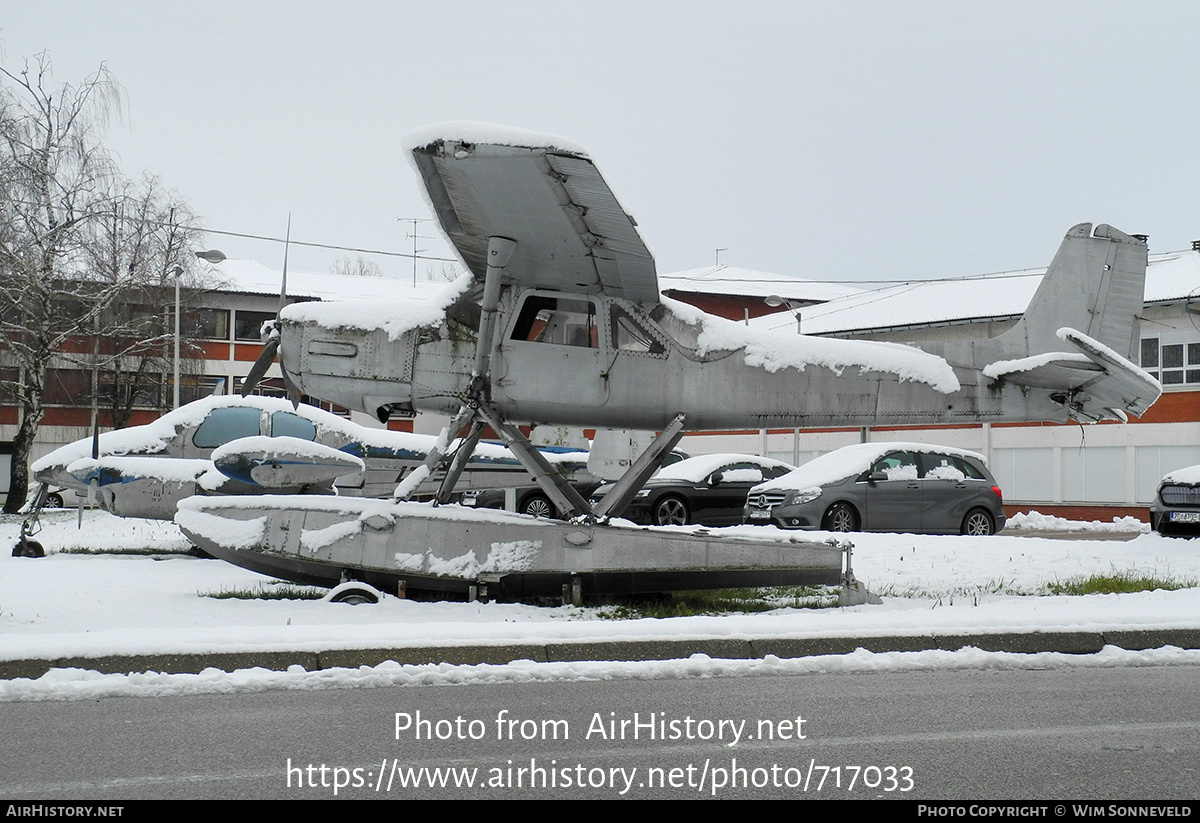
1095 284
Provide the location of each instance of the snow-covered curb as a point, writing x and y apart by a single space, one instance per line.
80 684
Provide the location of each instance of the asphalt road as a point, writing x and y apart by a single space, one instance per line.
1094 734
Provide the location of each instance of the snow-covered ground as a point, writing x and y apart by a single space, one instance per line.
69 605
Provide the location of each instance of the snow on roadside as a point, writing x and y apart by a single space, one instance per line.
68 605
80 684
1036 521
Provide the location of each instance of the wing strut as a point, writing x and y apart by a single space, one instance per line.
645 465
564 495
477 410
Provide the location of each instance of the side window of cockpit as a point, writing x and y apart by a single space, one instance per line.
223 425
557 321
629 336
286 424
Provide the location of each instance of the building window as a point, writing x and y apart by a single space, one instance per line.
131 390
67 387
207 324
193 387
247 325
1172 363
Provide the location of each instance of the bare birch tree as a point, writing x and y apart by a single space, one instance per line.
67 273
138 245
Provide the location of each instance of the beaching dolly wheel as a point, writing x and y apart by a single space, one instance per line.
353 593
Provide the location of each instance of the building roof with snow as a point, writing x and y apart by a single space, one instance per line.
733 280
250 277
1170 277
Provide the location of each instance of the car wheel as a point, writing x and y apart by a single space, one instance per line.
841 517
671 511
538 506
978 522
54 501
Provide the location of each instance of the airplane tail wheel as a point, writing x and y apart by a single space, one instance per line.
671 511
841 517
28 548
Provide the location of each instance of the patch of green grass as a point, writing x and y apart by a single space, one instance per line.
997 585
720 601
272 591
1118 582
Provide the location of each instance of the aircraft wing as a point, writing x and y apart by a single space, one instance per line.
572 234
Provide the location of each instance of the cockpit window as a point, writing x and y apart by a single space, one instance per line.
223 425
629 336
286 424
557 321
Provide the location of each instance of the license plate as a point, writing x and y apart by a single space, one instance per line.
760 514
1184 517
468 501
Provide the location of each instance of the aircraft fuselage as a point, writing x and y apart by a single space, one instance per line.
592 360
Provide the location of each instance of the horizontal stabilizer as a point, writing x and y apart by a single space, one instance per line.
1049 370
111 470
1125 387
284 462
1096 383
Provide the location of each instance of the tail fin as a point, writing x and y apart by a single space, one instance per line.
1089 298
1096 285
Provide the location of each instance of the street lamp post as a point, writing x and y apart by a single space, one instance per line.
211 256
775 302
175 381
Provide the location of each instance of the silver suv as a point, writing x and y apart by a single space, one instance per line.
884 487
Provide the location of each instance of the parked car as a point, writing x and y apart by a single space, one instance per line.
530 499
1176 506
709 489
57 497
884 487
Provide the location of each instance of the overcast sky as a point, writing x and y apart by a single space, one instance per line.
834 141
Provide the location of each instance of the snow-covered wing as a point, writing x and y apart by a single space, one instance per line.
572 234
1052 370
1125 386
1103 384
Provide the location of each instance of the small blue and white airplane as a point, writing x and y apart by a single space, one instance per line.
231 445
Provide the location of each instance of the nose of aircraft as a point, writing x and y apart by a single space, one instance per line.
363 369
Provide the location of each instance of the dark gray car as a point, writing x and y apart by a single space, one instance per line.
884 487
1176 506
